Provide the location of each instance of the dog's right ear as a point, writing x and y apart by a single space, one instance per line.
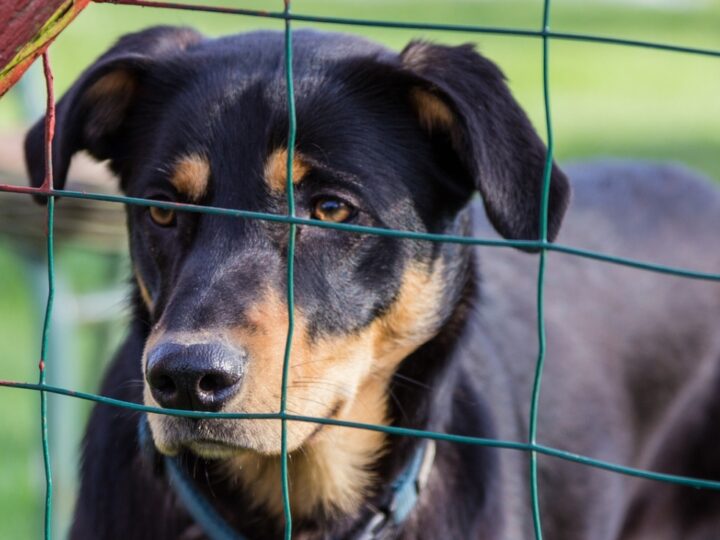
92 113
463 96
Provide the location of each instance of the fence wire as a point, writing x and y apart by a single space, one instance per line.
532 447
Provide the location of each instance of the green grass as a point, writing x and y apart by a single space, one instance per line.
22 294
606 101
20 477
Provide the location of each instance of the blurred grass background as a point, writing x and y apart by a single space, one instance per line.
606 101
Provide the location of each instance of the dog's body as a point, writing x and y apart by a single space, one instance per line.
633 358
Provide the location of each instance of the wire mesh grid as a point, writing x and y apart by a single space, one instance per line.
532 447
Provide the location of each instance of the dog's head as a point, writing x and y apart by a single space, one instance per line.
391 140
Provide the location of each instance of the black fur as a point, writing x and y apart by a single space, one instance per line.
226 99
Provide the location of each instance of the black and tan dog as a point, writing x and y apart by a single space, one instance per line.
389 331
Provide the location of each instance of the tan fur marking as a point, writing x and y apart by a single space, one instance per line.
144 292
191 176
110 97
116 84
331 472
432 111
276 169
412 319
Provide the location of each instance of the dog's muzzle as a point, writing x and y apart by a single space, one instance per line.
198 376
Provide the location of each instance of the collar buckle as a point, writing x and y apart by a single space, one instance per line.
405 495
377 524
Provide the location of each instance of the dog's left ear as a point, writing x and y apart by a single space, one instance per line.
465 96
92 114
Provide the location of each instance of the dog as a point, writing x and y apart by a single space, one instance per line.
398 332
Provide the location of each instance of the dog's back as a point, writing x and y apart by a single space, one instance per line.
633 353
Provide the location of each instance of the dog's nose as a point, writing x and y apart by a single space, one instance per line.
199 377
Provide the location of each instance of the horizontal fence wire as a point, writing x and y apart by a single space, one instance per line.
401 25
532 447
390 430
378 231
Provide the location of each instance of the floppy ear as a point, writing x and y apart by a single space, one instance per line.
92 113
464 96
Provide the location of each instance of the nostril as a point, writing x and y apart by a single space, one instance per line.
163 387
164 384
212 382
216 382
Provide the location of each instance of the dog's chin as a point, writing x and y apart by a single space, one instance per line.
203 448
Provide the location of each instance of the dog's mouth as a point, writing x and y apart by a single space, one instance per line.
224 438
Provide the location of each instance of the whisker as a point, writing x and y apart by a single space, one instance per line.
310 400
321 385
313 361
209 483
411 380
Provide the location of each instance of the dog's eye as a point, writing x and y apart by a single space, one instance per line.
165 217
332 209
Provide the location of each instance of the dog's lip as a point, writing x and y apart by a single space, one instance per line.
211 442
212 448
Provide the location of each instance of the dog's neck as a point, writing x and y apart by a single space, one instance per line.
332 474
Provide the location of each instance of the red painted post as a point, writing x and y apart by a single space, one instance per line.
27 27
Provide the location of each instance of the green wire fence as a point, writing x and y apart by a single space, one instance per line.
532 447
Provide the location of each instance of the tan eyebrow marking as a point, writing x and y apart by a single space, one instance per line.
276 169
191 176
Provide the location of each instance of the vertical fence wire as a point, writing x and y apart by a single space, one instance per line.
42 367
540 302
289 186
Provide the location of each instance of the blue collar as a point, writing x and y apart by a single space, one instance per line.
405 492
